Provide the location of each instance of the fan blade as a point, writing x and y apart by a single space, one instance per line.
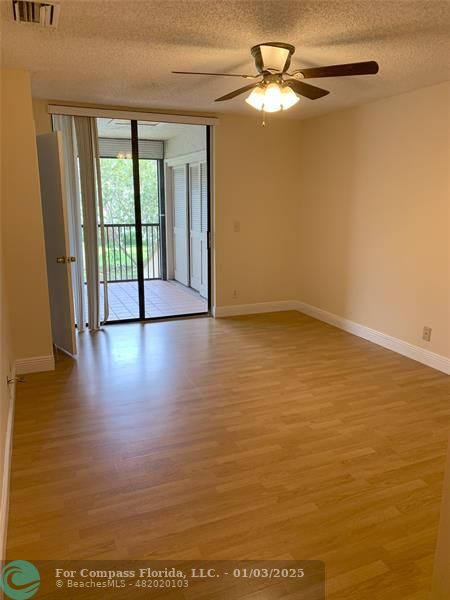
216 74
362 68
241 90
305 89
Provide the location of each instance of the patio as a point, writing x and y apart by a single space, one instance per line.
162 299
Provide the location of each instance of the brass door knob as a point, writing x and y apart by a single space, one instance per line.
65 259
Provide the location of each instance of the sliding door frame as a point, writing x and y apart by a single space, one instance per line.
209 195
163 238
162 220
138 218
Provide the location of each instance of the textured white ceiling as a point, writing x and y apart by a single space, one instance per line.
122 52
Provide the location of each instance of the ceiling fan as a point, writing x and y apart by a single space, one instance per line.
277 88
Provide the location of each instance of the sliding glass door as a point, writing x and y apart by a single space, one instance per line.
119 216
156 218
153 215
185 286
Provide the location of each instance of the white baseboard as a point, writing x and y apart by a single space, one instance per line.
431 359
35 364
253 309
4 502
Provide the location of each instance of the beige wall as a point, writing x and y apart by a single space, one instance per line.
42 120
373 218
255 182
24 253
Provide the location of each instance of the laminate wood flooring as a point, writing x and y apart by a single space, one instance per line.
266 436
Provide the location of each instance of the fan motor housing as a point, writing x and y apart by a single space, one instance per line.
272 56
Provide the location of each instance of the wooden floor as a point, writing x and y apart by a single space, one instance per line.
269 436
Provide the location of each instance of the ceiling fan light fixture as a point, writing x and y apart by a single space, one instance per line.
272 97
278 89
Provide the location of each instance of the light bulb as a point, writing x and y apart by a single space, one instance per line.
288 97
272 99
256 98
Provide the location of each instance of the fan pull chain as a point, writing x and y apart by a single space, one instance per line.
263 118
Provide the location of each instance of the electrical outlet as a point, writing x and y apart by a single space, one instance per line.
236 226
426 335
235 294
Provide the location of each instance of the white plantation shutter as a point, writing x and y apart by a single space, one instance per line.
204 196
179 188
195 225
196 206
189 194
204 229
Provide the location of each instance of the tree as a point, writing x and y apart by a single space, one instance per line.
118 208
118 190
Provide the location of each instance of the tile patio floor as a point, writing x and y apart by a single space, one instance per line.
162 299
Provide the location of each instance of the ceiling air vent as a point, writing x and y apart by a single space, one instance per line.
36 13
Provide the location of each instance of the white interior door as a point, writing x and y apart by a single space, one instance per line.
59 270
204 229
195 226
180 224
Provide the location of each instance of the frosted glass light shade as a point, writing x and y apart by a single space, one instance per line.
272 98
288 97
256 98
